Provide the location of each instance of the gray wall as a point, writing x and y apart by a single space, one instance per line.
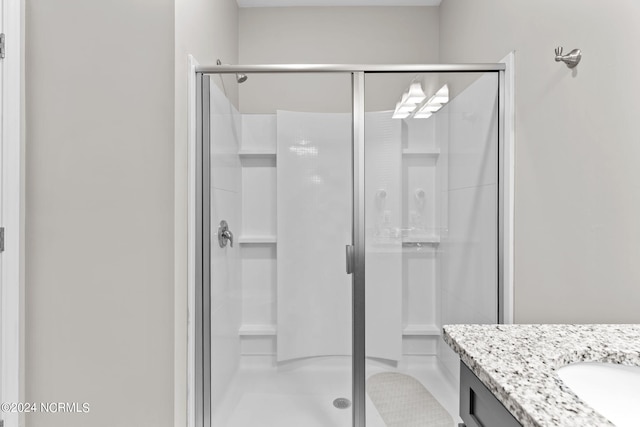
330 35
100 210
208 30
338 35
577 232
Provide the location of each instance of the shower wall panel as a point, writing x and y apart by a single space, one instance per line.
225 262
259 132
314 225
401 281
469 184
383 213
257 239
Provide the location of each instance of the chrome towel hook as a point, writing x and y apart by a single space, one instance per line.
571 59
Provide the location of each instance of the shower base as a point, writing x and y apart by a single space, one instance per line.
302 393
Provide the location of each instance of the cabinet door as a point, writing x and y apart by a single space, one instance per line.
478 406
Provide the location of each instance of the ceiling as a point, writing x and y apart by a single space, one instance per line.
283 3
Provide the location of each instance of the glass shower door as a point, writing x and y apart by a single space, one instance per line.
296 166
431 210
280 213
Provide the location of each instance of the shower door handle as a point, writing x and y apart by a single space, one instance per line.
349 253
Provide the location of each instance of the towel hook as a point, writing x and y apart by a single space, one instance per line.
571 59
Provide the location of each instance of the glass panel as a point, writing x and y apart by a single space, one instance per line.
281 298
431 235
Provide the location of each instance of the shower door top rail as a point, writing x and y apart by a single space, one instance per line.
351 68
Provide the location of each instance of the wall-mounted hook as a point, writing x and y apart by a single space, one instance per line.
571 59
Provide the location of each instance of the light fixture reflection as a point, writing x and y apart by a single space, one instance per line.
435 103
415 95
403 110
316 179
432 108
409 101
412 102
304 151
422 115
442 95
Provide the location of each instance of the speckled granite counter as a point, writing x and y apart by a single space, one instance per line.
517 363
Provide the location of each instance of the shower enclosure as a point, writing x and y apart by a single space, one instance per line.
343 215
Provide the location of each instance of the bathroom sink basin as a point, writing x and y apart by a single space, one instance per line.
612 390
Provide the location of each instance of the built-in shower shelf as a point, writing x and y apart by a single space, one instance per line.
433 152
257 154
394 245
257 330
421 330
247 240
423 240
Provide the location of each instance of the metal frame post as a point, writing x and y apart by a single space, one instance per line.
358 230
501 195
202 255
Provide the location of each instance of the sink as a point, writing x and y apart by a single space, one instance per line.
612 390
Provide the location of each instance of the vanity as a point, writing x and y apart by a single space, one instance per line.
547 375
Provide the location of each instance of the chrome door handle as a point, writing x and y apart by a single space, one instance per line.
224 234
349 254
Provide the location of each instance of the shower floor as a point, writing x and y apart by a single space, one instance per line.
302 394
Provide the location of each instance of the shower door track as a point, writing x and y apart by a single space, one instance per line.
202 396
351 68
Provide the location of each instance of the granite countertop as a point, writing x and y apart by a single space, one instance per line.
517 363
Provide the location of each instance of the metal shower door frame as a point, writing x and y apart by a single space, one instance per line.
202 255
203 410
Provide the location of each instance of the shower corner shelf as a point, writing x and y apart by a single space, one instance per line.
257 154
257 330
421 330
431 152
426 240
257 240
